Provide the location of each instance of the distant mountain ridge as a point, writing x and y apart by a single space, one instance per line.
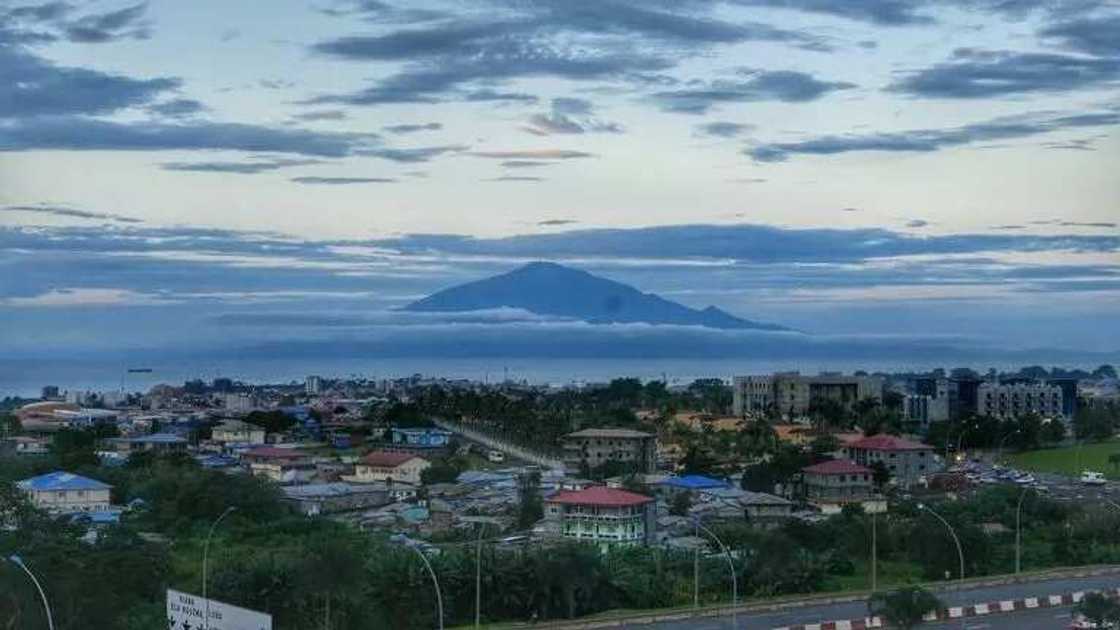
551 289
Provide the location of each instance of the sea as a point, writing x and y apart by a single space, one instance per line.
26 378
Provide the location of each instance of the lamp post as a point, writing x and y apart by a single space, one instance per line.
1019 531
730 567
16 560
874 554
957 541
205 560
478 577
435 582
999 448
960 441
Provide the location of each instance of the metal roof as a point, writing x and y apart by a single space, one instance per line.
61 480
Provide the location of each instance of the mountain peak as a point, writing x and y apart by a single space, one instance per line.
548 288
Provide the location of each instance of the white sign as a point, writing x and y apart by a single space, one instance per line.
187 612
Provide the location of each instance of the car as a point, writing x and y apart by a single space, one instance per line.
1025 480
496 457
1092 478
1081 623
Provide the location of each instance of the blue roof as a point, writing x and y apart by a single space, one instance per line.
159 438
61 480
694 482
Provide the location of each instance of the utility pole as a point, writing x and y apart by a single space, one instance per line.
874 554
696 569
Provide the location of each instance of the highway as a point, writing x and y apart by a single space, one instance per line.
815 613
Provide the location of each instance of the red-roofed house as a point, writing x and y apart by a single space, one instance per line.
836 481
282 465
906 460
606 516
390 466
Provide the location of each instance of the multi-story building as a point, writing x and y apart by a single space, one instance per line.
601 515
390 466
791 394
837 481
66 493
282 465
907 461
420 441
594 447
313 385
238 432
1009 401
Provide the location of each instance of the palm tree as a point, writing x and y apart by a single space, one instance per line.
905 607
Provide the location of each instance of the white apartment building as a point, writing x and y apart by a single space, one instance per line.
1008 401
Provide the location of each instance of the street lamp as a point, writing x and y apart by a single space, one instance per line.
1019 530
435 581
205 559
16 560
478 576
952 532
730 567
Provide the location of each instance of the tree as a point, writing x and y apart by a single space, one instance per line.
275 421
697 461
1053 431
823 446
905 607
681 503
1099 609
1093 424
530 508
1105 371
880 475
1114 459
441 471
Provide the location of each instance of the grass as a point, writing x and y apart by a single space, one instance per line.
890 574
1070 460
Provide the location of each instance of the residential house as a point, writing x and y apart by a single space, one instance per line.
390 466
592 448
601 515
61 492
161 443
837 481
282 465
906 460
669 487
329 498
22 445
238 432
765 510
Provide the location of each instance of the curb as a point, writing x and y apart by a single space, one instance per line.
959 612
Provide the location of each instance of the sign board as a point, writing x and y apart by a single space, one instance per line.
188 612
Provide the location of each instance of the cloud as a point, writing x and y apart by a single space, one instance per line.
984 74
569 116
850 210
722 129
62 211
492 96
748 180
515 178
85 134
539 154
881 12
525 163
107 27
929 140
418 154
1008 227
177 108
1094 35
917 223
241 168
1098 224
32 86
779 85
342 181
326 114
413 128
276 84
555 222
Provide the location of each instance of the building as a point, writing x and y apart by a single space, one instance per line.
606 516
420 441
50 392
282 465
20 445
672 486
765 510
237 432
791 394
329 498
836 481
907 461
66 493
1069 387
390 466
237 402
161 443
313 386
1009 401
594 447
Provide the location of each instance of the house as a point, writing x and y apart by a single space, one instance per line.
836 481
592 448
601 515
21 445
282 465
161 443
671 486
765 510
390 466
61 492
329 498
906 460
238 432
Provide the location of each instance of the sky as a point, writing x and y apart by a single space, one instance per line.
225 177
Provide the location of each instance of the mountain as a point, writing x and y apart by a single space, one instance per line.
550 289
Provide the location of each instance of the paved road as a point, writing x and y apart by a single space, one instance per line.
855 610
1042 619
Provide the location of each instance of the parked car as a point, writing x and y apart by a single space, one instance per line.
1092 478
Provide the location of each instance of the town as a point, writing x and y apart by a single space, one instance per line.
532 502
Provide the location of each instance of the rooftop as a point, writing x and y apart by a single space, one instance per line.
609 433
272 452
883 442
388 459
837 467
693 482
61 480
600 496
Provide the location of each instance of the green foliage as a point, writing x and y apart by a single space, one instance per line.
1094 424
74 449
698 461
905 607
1053 432
880 475
680 503
274 421
442 471
1099 609
530 508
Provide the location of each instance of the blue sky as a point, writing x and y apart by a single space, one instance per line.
929 170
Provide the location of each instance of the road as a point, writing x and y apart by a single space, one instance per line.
854 610
1042 619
